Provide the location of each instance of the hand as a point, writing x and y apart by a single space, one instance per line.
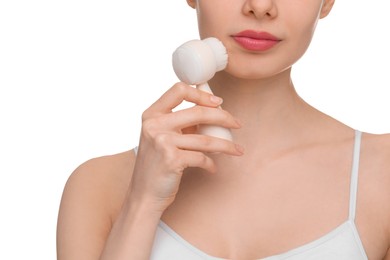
169 144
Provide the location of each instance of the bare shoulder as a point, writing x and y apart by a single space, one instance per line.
104 179
91 200
375 181
375 164
376 147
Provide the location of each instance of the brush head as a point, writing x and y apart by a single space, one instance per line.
197 61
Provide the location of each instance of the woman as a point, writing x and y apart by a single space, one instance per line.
294 183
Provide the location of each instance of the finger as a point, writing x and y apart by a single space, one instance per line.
198 143
207 144
189 130
177 94
197 159
199 115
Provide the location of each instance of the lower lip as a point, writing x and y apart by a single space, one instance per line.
255 44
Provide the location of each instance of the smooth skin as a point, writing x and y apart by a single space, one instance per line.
282 183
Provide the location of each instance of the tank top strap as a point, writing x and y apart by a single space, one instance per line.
354 176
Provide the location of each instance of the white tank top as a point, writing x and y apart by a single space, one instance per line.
342 243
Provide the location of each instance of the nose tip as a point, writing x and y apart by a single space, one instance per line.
260 8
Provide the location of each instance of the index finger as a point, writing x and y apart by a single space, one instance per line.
177 94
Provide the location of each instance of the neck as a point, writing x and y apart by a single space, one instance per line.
269 109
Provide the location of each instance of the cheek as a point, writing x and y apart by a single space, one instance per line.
300 27
303 35
212 18
300 23
204 26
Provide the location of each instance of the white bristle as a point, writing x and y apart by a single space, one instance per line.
219 51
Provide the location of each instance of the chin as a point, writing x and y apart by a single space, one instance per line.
257 72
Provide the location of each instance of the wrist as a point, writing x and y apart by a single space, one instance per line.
138 207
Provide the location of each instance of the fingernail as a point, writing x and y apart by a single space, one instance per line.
216 100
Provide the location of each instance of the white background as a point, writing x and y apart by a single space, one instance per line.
76 75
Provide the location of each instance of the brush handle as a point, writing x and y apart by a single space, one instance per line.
212 130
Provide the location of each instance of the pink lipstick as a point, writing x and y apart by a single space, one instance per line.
256 41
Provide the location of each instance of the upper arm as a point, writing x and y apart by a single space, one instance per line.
92 196
83 222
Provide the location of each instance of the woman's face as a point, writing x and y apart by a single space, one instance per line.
263 37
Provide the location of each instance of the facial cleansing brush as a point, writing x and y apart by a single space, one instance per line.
195 62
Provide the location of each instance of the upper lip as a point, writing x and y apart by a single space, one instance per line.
259 35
